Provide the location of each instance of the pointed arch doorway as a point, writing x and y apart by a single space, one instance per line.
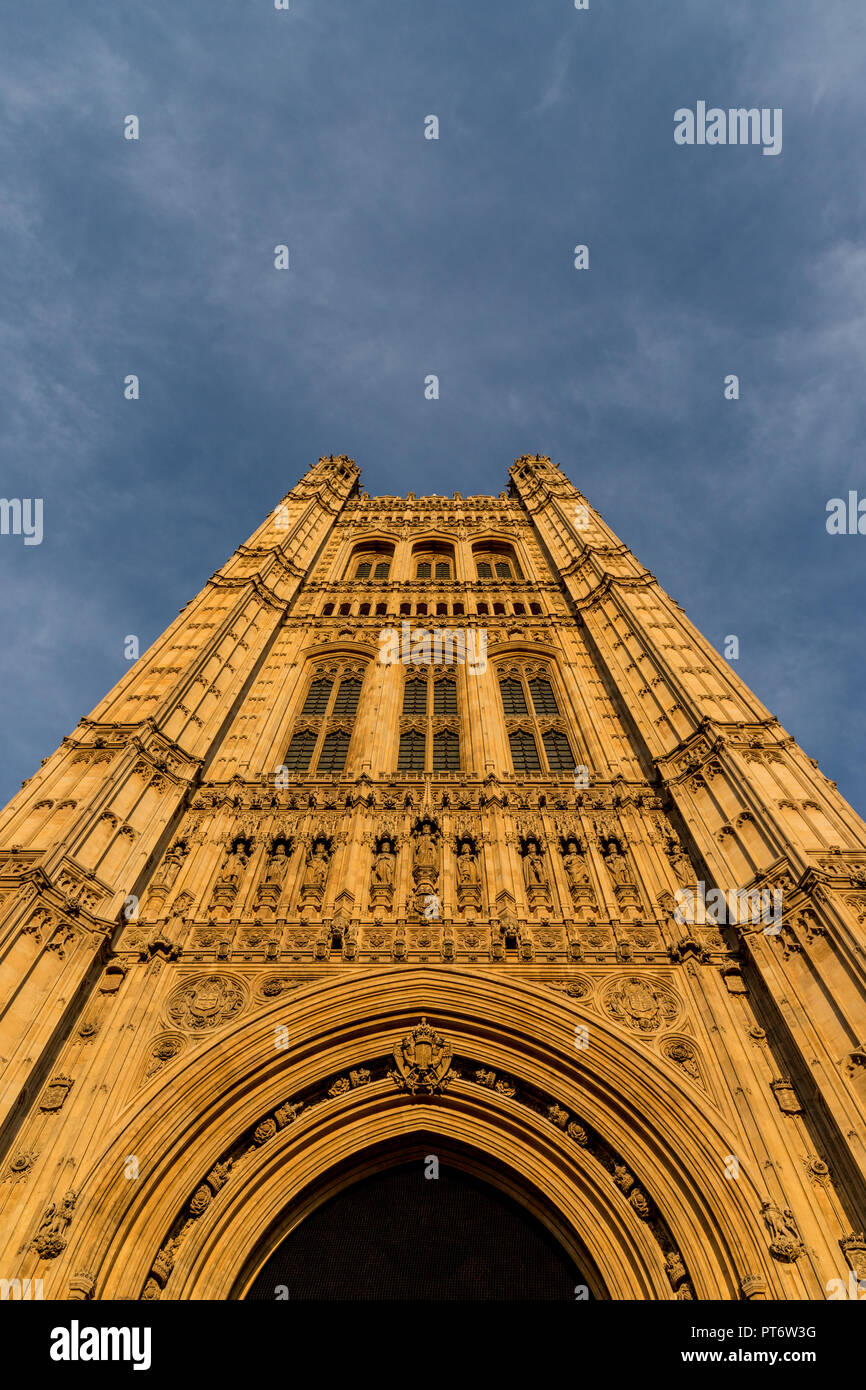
422 1224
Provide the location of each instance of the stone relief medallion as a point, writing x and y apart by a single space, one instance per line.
163 1050
683 1054
205 1002
639 1004
578 987
276 985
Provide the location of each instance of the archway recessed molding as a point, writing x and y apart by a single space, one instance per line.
182 1124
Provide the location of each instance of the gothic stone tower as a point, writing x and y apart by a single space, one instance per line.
280 913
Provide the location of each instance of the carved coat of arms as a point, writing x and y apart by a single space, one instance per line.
206 1002
640 1005
423 1061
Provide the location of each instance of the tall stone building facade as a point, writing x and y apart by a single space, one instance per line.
311 893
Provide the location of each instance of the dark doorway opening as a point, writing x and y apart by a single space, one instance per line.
401 1235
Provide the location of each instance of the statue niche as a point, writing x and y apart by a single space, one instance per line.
225 889
315 873
425 869
622 879
579 880
164 878
467 874
270 889
534 873
383 873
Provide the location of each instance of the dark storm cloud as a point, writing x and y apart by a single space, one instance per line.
411 257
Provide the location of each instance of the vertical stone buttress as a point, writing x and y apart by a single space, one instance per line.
756 813
85 836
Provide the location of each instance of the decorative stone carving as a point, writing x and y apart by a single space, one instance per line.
270 889
20 1165
638 1004
624 887
684 1055
112 977
853 1247
56 1092
201 1200
786 1097
577 1133
287 1113
225 889
623 1179
639 1204
163 1051
276 985
535 875
315 874
167 872
264 1131
206 1002
218 1176
164 1264
579 880
467 875
817 1169
423 1060
50 1239
382 873
753 1288
425 855
81 1286
785 1240
734 981
577 988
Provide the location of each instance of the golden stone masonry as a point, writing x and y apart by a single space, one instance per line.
377 853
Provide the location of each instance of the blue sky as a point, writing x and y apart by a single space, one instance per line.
452 257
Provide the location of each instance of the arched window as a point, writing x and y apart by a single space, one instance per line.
371 560
529 696
318 696
431 740
348 694
330 705
495 560
513 698
543 698
433 560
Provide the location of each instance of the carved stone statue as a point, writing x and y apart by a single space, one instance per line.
617 864
277 864
315 873
50 1239
424 854
468 877
382 875
785 1241
467 866
533 867
576 871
